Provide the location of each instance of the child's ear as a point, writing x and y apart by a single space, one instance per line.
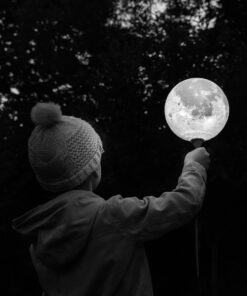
95 174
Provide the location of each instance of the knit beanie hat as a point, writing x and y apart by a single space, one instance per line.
63 150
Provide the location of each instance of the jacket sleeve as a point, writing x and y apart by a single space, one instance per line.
151 217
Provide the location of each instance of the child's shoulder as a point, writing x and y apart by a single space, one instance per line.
79 198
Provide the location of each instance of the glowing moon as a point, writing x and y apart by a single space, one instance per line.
196 108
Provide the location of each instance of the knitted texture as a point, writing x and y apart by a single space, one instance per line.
64 154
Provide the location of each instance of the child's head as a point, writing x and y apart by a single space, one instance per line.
64 151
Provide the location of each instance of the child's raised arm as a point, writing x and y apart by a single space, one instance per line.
151 217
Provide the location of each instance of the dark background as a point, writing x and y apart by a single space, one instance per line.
113 63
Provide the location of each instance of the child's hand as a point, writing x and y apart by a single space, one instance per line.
199 155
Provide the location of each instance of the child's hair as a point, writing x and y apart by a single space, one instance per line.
63 150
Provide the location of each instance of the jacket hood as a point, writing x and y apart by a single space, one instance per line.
60 229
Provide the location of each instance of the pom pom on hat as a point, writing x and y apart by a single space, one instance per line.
46 114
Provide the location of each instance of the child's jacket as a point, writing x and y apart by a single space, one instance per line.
83 245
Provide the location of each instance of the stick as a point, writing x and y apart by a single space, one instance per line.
197 143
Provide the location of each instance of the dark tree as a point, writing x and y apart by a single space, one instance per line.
113 63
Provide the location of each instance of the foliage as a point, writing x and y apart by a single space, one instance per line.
113 63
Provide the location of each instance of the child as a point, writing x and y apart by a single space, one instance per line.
83 245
